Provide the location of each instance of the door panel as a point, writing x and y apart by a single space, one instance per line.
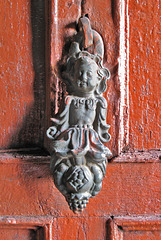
128 205
10 234
25 228
134 228
63 26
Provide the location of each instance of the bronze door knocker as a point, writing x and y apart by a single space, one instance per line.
79 157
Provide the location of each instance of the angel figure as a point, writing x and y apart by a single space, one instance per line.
79 156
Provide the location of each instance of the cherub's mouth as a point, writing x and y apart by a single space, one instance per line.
82 83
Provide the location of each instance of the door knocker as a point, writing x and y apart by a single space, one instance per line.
79 157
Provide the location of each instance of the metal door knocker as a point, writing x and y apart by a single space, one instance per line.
79 157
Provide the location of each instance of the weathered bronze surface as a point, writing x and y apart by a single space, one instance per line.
79 158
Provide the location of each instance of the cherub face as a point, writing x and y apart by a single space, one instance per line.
86 77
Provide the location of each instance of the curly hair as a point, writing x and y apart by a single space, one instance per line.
76 54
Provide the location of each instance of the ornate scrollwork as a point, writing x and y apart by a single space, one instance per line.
79 158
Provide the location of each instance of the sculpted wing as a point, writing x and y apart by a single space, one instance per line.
100 125
61 121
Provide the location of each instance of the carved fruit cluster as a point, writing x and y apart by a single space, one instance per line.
75 204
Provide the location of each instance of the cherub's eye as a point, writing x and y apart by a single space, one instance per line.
89 74
79 73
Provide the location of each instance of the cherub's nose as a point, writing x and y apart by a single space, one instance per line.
83 76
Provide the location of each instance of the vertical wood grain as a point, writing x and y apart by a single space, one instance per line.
64 15
79 228
144 74
22 79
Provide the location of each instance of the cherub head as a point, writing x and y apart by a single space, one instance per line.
85 73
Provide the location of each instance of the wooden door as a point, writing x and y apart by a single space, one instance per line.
33 34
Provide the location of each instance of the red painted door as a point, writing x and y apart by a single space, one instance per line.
32 37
